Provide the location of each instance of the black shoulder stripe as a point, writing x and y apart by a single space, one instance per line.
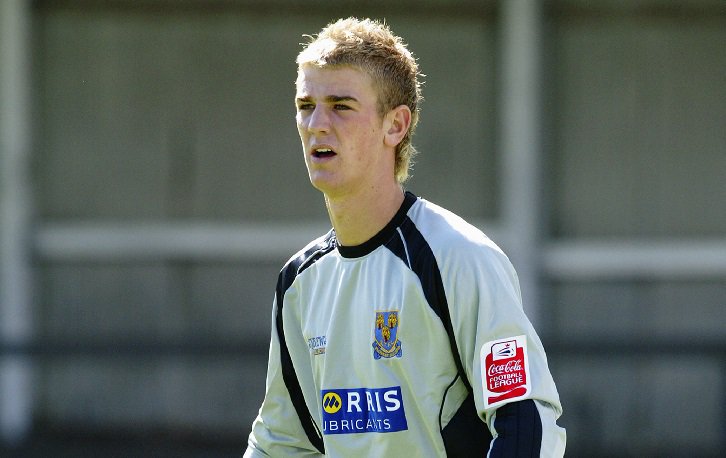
284 281
465 434
414 250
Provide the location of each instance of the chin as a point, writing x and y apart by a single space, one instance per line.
322 184
328 188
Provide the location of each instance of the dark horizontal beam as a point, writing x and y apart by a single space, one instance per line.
632 347
134 348
210 347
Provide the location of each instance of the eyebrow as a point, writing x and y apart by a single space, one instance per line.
329 99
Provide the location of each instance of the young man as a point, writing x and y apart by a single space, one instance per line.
401 331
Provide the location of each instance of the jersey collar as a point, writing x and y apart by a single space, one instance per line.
385 234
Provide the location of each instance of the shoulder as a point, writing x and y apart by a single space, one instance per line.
463 253
304 258
471 265
449 234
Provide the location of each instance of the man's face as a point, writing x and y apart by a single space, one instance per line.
341 130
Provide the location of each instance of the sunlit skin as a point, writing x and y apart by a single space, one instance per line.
350 148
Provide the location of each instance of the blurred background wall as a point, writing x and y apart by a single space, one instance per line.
153 185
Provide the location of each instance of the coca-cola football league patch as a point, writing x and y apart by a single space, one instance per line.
505 370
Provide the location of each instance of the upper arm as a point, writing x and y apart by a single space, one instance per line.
503 357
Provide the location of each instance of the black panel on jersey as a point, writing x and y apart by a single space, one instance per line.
284 281
466 435
519 431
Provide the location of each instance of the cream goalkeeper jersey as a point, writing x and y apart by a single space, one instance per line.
412 344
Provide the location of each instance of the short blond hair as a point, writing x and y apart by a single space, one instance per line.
371 46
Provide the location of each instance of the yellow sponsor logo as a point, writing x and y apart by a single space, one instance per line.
332 402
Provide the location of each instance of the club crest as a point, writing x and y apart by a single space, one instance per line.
386 344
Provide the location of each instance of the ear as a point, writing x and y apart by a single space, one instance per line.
396 124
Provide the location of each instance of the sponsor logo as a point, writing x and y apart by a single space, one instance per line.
504 350
386 343
317 345
363 410
332 402
505 370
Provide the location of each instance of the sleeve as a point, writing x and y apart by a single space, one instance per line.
277 430
502 355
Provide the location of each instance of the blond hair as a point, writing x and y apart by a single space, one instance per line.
370 46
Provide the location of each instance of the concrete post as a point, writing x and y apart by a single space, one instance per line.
15 264
520 140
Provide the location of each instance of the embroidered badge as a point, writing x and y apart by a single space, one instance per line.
505 370
386 344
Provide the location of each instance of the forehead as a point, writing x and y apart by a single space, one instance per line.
319 82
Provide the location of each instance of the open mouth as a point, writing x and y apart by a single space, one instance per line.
322 153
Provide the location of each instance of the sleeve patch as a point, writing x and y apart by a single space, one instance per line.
505 370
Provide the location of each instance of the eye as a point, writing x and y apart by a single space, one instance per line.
341 107
305 107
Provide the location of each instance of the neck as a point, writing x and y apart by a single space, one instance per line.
356 219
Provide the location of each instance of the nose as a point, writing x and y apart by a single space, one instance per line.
318 120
